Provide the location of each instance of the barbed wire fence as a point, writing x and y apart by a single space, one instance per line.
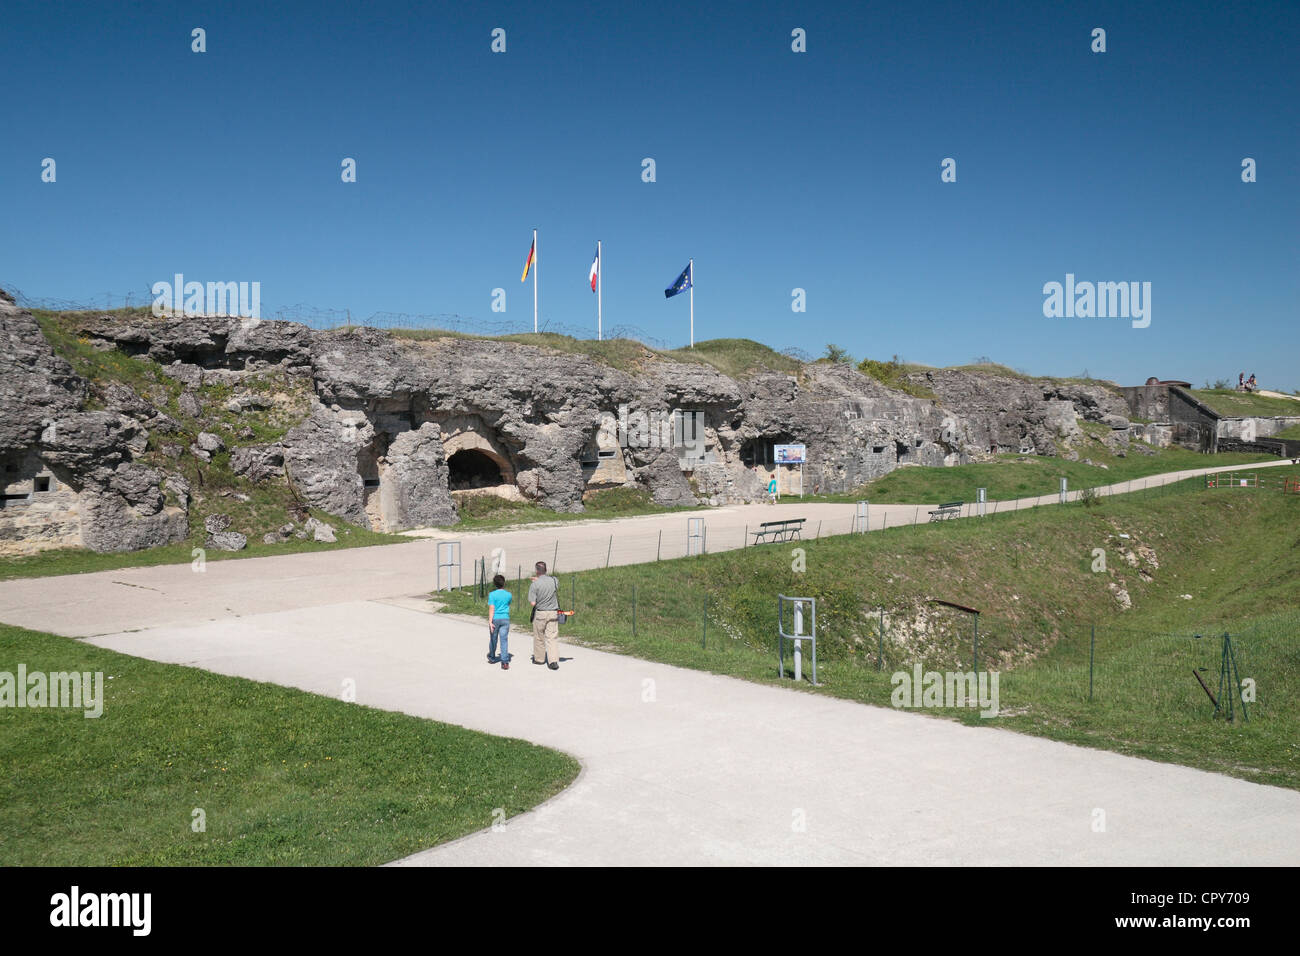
324 319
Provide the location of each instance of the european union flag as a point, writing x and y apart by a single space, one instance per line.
681 285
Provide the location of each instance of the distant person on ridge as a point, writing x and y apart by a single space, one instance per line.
499 622
544 596
1241 381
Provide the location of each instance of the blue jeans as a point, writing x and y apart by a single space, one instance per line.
499 629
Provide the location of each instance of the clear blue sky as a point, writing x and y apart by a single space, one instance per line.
775 170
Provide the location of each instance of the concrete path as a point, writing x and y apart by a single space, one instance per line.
683 767
105 602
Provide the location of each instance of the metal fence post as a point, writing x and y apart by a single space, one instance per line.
634 611
449 557
660 544
694 536
609 550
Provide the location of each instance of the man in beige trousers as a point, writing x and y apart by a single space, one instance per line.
544 596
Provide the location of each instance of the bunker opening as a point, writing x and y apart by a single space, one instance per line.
471 468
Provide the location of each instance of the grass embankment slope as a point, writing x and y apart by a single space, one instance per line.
282 777
490 513
1233 404
1025 476
1235 552
732 357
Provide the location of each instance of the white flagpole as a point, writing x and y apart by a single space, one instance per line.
536 266
692 268
600 280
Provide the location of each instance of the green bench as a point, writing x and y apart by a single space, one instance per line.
786 530
949 509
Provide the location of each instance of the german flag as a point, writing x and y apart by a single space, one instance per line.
532 255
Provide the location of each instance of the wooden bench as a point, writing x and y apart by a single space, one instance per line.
779 530
949 509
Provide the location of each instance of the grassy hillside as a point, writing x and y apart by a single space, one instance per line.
1233 404
284 778
1023 476
733 357
1189 561
489 513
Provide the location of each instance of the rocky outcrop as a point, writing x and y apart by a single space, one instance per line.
127 512
320 459
997 412
395 426
114 503
417 472
258 462
36 386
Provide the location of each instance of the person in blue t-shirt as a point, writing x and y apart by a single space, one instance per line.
499 622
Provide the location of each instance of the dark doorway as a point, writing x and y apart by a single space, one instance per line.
471 468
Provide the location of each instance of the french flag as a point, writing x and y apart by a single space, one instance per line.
594 276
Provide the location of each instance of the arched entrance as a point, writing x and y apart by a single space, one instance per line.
472 468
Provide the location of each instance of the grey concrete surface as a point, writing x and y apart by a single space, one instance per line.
683 767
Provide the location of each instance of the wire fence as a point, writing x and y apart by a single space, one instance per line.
1245 671
570 547
702 614
322 319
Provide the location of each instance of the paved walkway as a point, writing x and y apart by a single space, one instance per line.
711 769
108 601
685 767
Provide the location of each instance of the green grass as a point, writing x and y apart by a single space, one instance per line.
1291 432
1020 476
1030 573
490 513
624 354
103 367
83 561
895 374
1233 404
285 778
733 357
736 358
